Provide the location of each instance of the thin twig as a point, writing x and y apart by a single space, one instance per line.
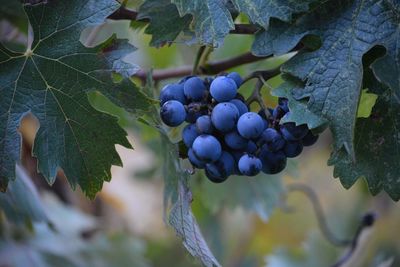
211 68
312 196
367 221
245 29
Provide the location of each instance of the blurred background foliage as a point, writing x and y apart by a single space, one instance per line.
246 221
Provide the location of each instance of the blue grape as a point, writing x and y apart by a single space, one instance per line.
235 141
272 162
223 167
240 106
207 148
293 148
283 103
194 89
236 77
213 175
251 147
250 125
204 125
173 113
224 117
223 89
199 164
172 92
273 139
184 79
278 113
309 139
249 165
189 133
291 132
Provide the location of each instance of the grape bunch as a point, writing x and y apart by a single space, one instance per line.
223 136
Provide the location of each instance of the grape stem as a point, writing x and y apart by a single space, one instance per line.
256 96
199 55
367 221
210 68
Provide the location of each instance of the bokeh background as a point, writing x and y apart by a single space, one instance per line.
124 226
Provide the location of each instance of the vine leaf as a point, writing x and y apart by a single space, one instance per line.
179 197
211 19
261 11
333 73
51 80
377 141
165 21
299 112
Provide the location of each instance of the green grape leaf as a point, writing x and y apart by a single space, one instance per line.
211 19
179 197
260 194
333 73
21 203
377 141
260 11
165 22
299 111
51 80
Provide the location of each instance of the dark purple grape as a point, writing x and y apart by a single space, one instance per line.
291 132
272 162
278 113
283 103
223 167
293 148
272 139
235 141
199 164
251 147
309 139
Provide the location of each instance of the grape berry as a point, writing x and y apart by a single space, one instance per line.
223 136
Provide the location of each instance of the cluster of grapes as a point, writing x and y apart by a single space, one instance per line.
223 136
